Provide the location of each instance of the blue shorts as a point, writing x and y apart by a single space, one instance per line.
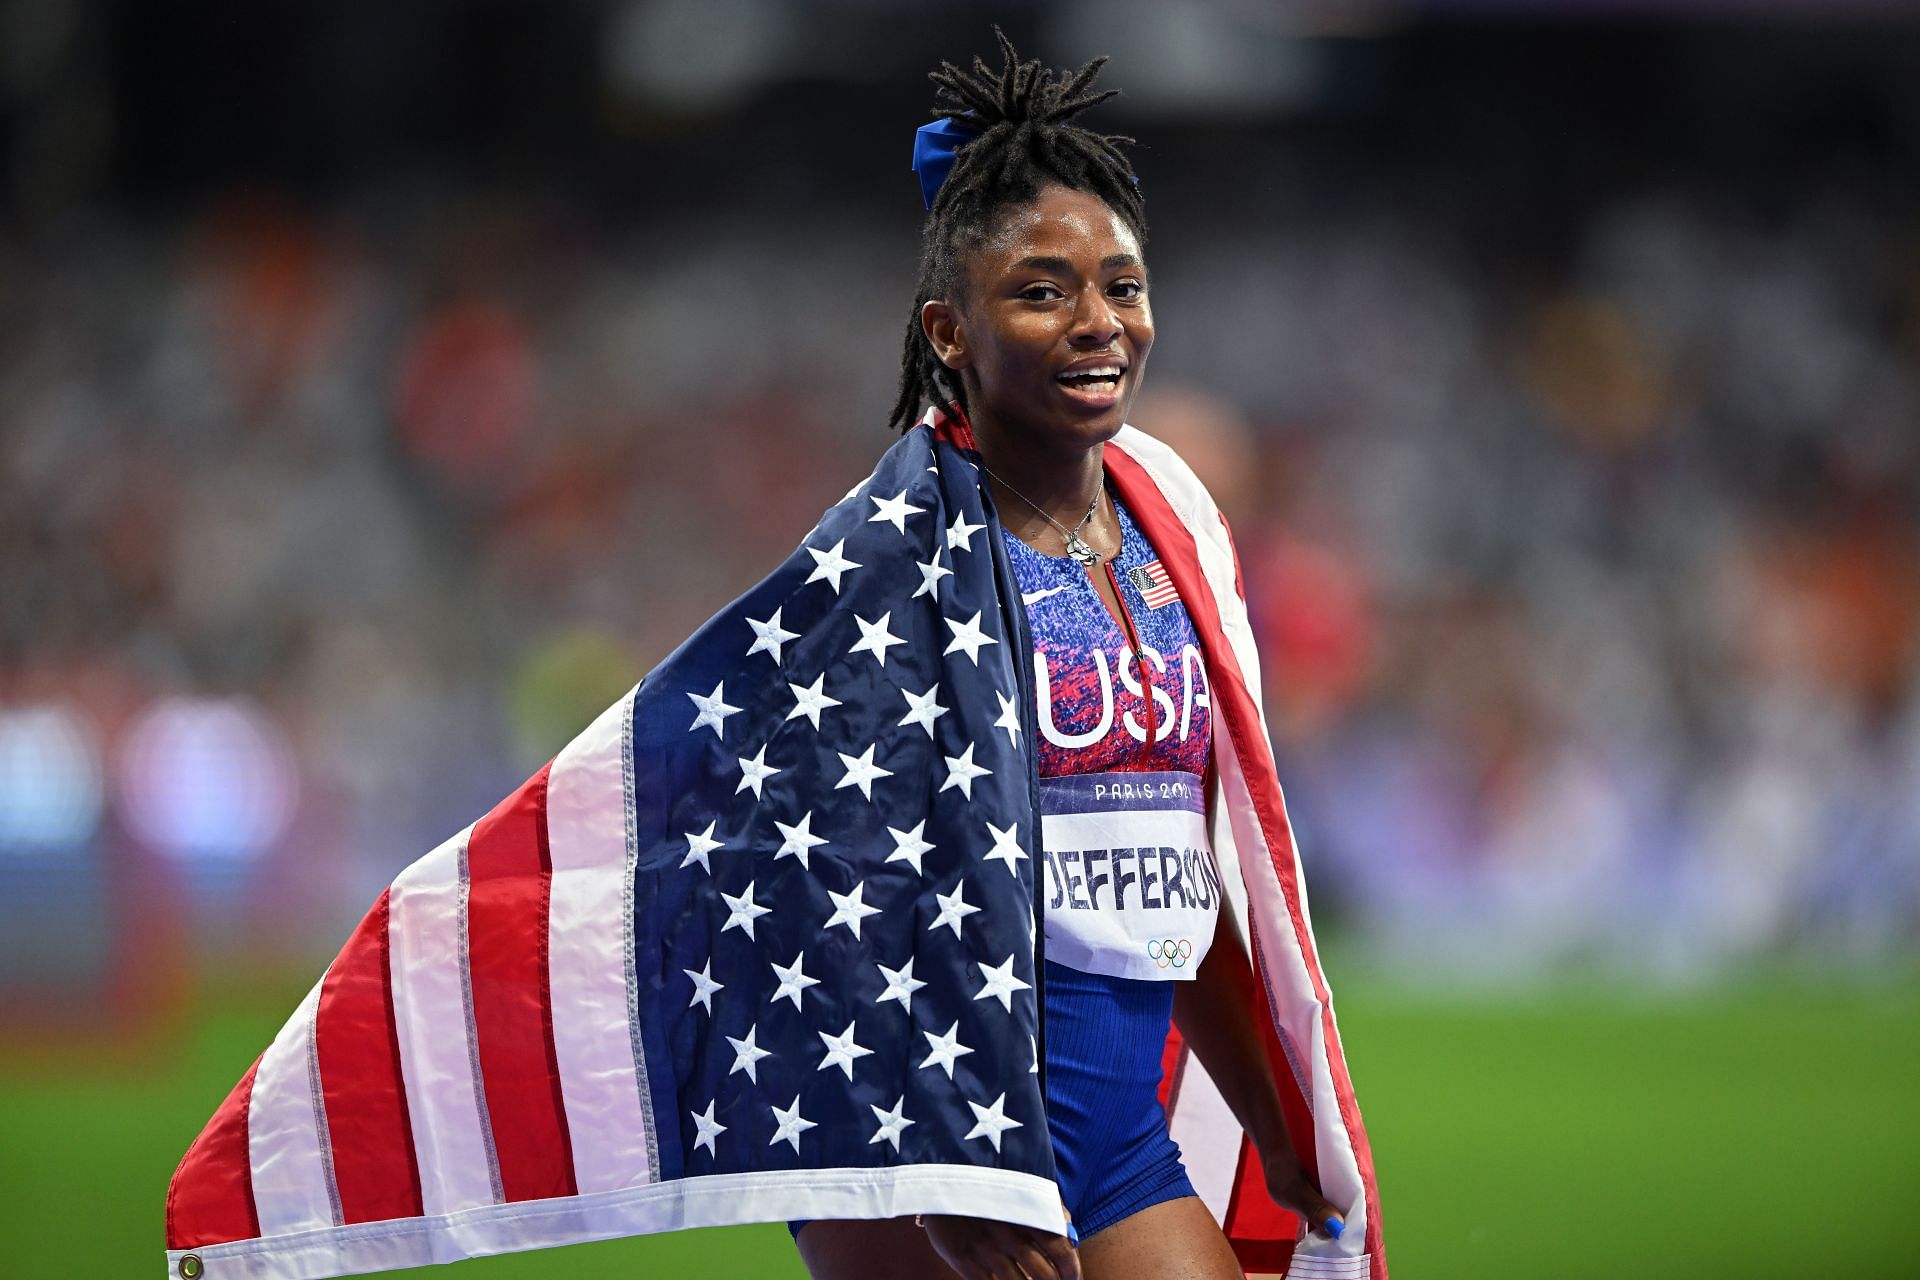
1111 1149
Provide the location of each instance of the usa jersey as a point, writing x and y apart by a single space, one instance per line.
1097 701
1131 890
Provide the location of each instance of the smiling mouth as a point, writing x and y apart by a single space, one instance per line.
1097 383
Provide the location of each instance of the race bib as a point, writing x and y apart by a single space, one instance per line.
1131 889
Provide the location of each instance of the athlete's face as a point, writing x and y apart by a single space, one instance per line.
1051 338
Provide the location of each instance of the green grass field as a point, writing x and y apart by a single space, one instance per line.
1768 1131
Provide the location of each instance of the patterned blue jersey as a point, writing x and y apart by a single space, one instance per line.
1101 708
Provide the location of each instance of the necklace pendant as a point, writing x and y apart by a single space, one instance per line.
1085 555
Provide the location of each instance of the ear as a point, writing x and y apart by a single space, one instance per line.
942 324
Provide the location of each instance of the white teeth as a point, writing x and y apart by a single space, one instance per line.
1100 371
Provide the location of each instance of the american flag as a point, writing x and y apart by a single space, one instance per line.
759 944
806 840
1156 588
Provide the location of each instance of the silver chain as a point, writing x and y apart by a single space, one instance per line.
1076 546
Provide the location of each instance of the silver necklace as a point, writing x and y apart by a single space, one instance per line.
1083 555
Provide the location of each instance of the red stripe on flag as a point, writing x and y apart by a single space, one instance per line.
1261 1245
1232 701
951 425
210 1200
1173 1065
512 874
1255 1223
373 1159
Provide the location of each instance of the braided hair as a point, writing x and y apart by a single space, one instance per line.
1025 142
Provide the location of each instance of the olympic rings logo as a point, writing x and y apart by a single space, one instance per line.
1170 951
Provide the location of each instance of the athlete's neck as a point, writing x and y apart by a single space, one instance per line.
1061 482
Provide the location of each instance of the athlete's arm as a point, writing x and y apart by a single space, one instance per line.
1213 1012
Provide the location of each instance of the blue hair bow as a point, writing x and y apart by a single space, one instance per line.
934 148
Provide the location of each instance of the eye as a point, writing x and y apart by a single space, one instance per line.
1127 290
1039 293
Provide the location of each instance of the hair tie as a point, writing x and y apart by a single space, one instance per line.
934 148
936 145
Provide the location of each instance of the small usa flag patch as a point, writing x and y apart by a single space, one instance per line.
1155 587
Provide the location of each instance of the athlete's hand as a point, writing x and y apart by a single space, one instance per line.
1290 1188
982 1249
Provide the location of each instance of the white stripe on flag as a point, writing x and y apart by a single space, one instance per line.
711 1200
1208 1136
291 1187
1306 1267
434 1023
593 1039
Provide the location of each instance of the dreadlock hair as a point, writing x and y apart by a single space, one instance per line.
1024 142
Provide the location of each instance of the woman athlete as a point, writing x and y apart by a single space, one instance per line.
1033 320
588 1014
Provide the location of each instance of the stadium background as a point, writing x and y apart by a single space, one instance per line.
384 387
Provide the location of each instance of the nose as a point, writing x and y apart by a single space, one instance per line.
1095 322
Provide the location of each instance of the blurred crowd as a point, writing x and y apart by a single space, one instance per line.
1592 603
1587 573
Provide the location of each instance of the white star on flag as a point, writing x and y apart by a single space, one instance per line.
703 986
953 909
960 534
923 708
793 980
1009 718
769 635
699 845
1000 982
946 1049
988 1122
895 510
747 1055
709 1129
791 1124
892 1123
931 571
875 638
841 1051
968 636
849 910
713 710
901 984
745 911
862 772
830 564
909 847
799 841
754 772
1006 847
811 701
961 771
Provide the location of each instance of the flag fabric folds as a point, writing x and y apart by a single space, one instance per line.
760 943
